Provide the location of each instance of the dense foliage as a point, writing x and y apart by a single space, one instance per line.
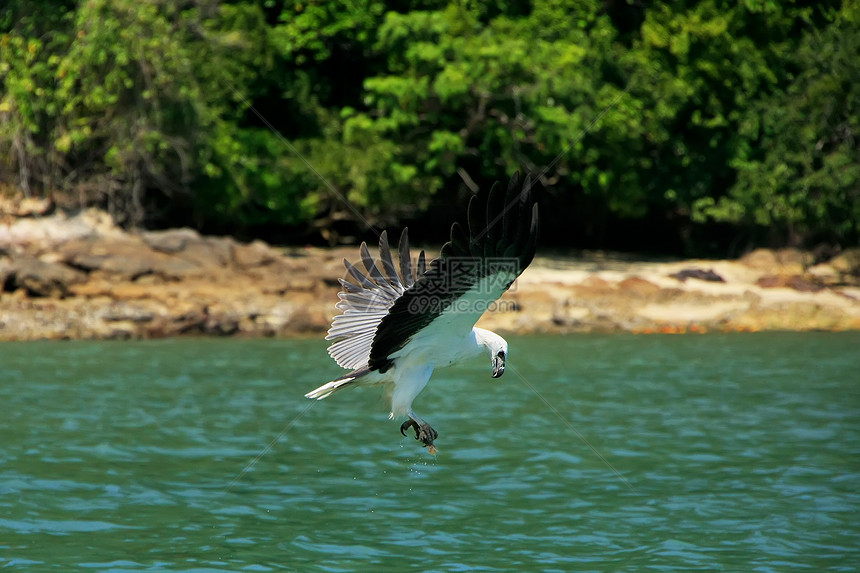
692 125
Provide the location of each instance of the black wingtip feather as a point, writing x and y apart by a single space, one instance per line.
405 259
476 218
422 263
459 241
358 275
387 260
496 202
531 245
500 223
372 270
509 219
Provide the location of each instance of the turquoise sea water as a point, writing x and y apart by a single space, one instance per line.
742 453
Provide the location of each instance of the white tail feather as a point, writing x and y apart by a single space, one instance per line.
328 389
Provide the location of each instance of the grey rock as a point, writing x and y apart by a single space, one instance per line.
171 240
41 279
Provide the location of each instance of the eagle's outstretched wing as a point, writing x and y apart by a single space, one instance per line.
383 311
366 301
472 272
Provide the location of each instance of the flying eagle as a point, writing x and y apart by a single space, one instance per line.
396 329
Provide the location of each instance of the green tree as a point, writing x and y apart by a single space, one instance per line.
799 172
684 115
133 97
32 34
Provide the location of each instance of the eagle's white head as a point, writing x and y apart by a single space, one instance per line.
496 346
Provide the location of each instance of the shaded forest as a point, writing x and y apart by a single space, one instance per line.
691 127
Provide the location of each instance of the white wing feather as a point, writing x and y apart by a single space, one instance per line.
365 304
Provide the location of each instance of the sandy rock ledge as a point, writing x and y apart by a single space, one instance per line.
82 278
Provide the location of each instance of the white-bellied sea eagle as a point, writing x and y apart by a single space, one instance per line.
396 329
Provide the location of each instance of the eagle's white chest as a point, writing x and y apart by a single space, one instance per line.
414 365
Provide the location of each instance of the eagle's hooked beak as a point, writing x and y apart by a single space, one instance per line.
498 364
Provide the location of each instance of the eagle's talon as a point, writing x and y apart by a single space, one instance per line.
410 423
423 432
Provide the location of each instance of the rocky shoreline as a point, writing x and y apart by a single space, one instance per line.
81 277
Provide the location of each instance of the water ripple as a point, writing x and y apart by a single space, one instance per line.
125 457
